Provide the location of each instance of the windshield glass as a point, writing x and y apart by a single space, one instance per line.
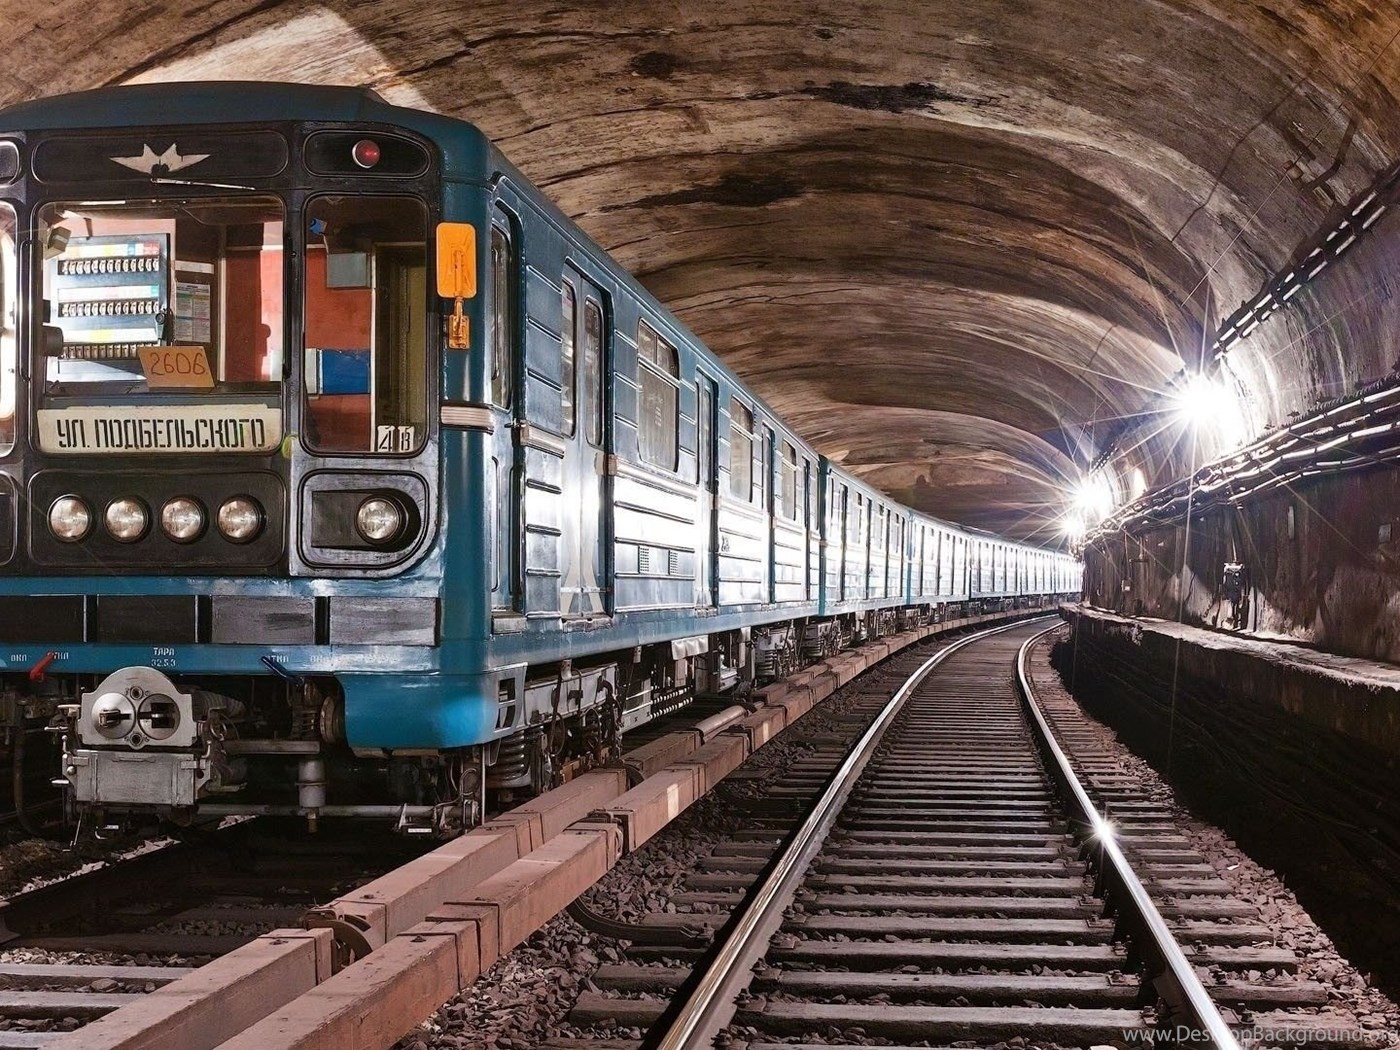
366 282
163 325
9 350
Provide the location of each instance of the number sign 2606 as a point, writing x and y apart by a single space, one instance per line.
176 366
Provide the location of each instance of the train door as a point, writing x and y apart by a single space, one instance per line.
866 526
770 511
810 533
841 529
706 573
583 368
504 506
854 552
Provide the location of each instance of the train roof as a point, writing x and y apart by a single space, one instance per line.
240 102
202 102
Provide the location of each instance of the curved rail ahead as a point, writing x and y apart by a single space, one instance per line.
711 1003
1164 964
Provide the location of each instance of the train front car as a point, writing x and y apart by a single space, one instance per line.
223 366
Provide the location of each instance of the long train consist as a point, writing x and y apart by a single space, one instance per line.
340 473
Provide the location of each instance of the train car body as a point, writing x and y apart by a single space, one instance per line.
341 473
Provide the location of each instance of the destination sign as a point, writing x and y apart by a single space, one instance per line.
163 428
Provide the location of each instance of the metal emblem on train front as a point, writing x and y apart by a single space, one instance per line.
154 163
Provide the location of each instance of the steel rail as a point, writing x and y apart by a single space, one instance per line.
1166 967
712 1000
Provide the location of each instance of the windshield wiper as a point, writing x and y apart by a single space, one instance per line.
164 180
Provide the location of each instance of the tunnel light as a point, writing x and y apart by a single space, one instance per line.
1139 484
1203 400
1072 526
1090 500
1093 497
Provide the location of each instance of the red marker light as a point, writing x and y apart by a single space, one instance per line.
366 153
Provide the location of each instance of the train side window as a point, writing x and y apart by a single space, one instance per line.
740 450
788 473
593 372
502 315
658 417
567 364
9 346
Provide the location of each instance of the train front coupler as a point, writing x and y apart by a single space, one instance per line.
138 742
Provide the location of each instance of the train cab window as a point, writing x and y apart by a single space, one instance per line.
658 416
740 450
365 274
567 365
787 477
9 347
593 372
502 317
163 325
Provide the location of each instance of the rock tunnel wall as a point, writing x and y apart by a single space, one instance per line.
1320 565
1294 756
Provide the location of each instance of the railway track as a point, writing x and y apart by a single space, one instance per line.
81 947
89 943
949 899
952 890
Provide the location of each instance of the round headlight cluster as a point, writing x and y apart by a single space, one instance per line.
240 519
183 519
379 520
126 519
70 519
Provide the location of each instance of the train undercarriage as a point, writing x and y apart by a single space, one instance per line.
138 746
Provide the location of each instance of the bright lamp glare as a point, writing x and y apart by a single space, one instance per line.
1205 401
1072 526
1090 501
1093 497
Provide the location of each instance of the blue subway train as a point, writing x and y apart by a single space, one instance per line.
341 473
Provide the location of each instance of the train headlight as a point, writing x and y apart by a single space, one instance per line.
240 519
379 520
70 519
182 519
127 519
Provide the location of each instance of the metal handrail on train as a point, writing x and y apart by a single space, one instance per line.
711 1002
1165 966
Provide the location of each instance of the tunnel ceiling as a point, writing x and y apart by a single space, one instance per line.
952 242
